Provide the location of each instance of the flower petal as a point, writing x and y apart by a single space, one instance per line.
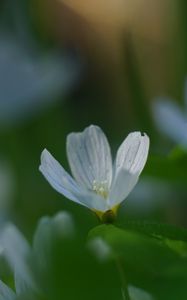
122 185
62 182
132 154
138 294
17 252
48 231
89 156
185 94
171 120
93 201
22 285
58 178
6 293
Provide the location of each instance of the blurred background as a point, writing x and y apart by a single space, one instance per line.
66 64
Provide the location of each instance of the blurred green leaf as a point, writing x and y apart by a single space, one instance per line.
158 265
158 230
141 254
170 168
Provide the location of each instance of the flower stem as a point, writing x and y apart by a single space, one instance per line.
125 292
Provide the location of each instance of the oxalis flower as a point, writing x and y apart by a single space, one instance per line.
98 184
171 119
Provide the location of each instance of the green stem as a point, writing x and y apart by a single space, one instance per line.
120 269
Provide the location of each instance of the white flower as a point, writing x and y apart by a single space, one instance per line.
171 119
30 80
19 254
98 184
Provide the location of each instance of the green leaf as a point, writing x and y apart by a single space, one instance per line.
158 230
142 255
157 263
170 168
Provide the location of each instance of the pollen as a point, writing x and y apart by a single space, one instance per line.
101 188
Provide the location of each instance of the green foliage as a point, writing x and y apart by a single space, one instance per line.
169 168
158 230
150 253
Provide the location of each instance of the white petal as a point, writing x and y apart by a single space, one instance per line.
93 201
100 249
138 294
22 285
185 94
132 154
89 156
48 229
122 185
6 293
15 246
17 251
58 178
64 224
61 181
42 242
171 120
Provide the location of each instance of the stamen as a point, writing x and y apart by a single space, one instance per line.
101 188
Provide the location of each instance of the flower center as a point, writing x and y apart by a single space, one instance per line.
101 188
